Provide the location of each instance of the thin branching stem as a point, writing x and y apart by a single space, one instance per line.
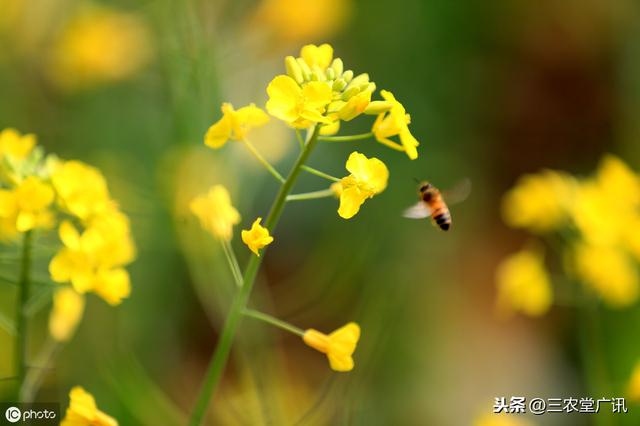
311 195
269 319
320 173
232 260
300 138
239 303
34 377
348 138
263 161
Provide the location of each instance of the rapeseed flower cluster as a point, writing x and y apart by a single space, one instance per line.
41 192
596 220
315 95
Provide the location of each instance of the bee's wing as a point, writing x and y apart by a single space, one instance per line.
417 211
458 193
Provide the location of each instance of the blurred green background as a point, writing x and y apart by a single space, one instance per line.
495 89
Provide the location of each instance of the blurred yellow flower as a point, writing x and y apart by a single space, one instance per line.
257 237
317 56
609 271
395 122
93 260
99 45
299 107
15 145
614 192
215 212
633 385
26 207
82 189
68 307
539 202
501 420
234 124
523 284
296 21
338 346
83 411
368 177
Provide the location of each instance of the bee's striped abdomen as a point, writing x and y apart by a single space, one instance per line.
442 218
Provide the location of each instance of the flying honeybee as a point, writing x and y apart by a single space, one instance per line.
432 203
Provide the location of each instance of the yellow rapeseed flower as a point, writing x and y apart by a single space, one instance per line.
613 192
368 177
93 260
98 46
523 284
16 146
68 307
26 207
215 212
338 346
81 189
295 21
234 124
83 411
317 56
539 202
257 237
609 271
298 106
395 122
633 385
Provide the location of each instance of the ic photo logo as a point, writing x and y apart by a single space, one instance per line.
37 413
13 414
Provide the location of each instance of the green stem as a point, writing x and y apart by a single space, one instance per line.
221 353
261 316
34 377
263 161
346 138
299 138
21 311
232 260
320 173
594 360
311 195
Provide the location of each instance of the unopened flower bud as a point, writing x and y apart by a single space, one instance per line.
293 69
317 74
330 73
378 107
349 93
359 80
306 71
339 84
347 75
337 66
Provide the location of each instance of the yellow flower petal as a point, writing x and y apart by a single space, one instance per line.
368 177
320 56
523 284
83 411
215 212
257 237
218 133
284 96
68 307
113 285
338 346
